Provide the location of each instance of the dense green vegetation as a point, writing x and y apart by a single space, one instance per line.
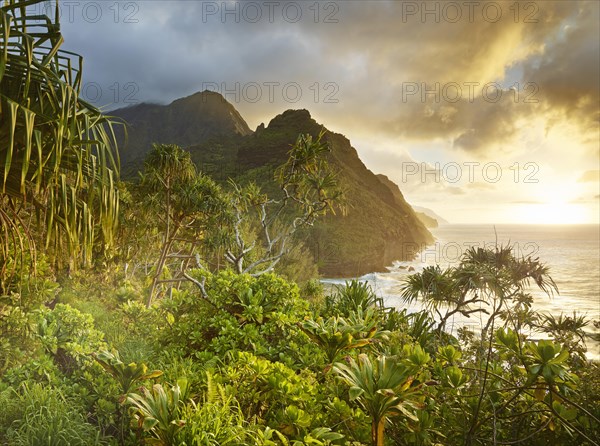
234 359
378 227
57 153
198 319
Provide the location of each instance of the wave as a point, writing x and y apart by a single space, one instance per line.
571 252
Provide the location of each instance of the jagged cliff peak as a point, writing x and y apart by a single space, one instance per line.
379 226
187 121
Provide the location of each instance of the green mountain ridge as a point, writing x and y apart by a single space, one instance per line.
198 118
379 225
428 221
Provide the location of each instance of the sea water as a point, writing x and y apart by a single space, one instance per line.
572 252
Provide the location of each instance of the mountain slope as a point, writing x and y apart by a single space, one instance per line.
379 226
191 120
428 212
428 222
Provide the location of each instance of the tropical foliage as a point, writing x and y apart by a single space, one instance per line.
58 153
162 343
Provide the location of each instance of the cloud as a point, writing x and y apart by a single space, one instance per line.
585 200
474 125
481 186
369 57
568 69
476 53
358 76
527 202
589 176
455 190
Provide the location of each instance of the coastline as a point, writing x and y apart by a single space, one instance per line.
559 246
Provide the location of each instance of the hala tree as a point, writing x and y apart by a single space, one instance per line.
253 229
183 200
260 228
58 153
487 280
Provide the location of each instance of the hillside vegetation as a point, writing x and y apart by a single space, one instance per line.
184 309
377 225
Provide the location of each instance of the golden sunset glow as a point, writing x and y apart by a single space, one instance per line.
520 90
309 222
553 213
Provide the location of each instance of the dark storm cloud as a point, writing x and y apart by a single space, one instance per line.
371 52
568 71
469 124
482 54
170 52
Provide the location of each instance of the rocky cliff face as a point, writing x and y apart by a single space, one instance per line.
379 225
428 221
195 119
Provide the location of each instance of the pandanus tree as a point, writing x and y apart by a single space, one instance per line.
57 152
439 291
183 200
487 280
493 278
501 278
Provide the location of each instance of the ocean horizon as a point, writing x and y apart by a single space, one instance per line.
572 252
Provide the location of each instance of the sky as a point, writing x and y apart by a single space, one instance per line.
485 112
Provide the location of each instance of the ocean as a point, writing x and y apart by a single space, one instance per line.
571 251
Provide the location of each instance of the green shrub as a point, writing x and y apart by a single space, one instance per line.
68 335
219 422
14 337
239 313
313 291
352 297
40 369
265 390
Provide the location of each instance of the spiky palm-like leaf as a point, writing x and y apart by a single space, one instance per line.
157 411
384 387
125 374
354 296
493 276
57 152
336 334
